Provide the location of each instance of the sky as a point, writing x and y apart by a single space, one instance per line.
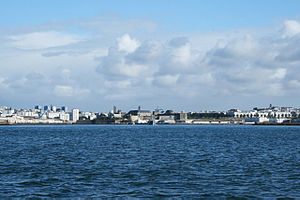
183 55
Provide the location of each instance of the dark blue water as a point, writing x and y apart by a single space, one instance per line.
150 161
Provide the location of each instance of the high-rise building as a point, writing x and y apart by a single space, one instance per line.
75 115
64 108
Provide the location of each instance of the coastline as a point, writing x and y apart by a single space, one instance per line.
176 124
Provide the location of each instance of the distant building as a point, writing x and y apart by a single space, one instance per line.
3 107
115 114
52 115
47 108
64 108
257 120
139 115
279 120
87 115
270 112
64 116
7 112
53 108
171 115
27 113
75 115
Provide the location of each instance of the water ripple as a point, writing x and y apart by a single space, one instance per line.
205 162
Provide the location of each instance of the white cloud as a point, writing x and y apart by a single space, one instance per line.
42 40
291 28
245 66
63 91
117 84
166 80
132 70
3 84
183 54
125 43
198 79
167 69
68 91
275 89
294 84
279 74
65 73
236 51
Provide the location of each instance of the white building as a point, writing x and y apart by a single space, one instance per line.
262 114
257 120
3 108
64 116
53 108
52 115
278 120
75 115
7 113
88 115
27 113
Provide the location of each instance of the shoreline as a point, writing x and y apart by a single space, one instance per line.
176 124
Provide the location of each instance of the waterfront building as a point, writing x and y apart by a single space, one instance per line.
27 113
257 120
7 112
279 120
171 115
64 116
115 115
52 115
271 112
87 115
139 115
75 115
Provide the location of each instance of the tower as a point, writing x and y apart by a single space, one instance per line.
75 115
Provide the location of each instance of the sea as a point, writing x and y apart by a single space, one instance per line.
160 162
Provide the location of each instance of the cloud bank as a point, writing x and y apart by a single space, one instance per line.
97 69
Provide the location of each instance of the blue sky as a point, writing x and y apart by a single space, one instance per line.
186 15
181 55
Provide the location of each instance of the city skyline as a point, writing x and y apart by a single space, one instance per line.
116 109
186 56
62 115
